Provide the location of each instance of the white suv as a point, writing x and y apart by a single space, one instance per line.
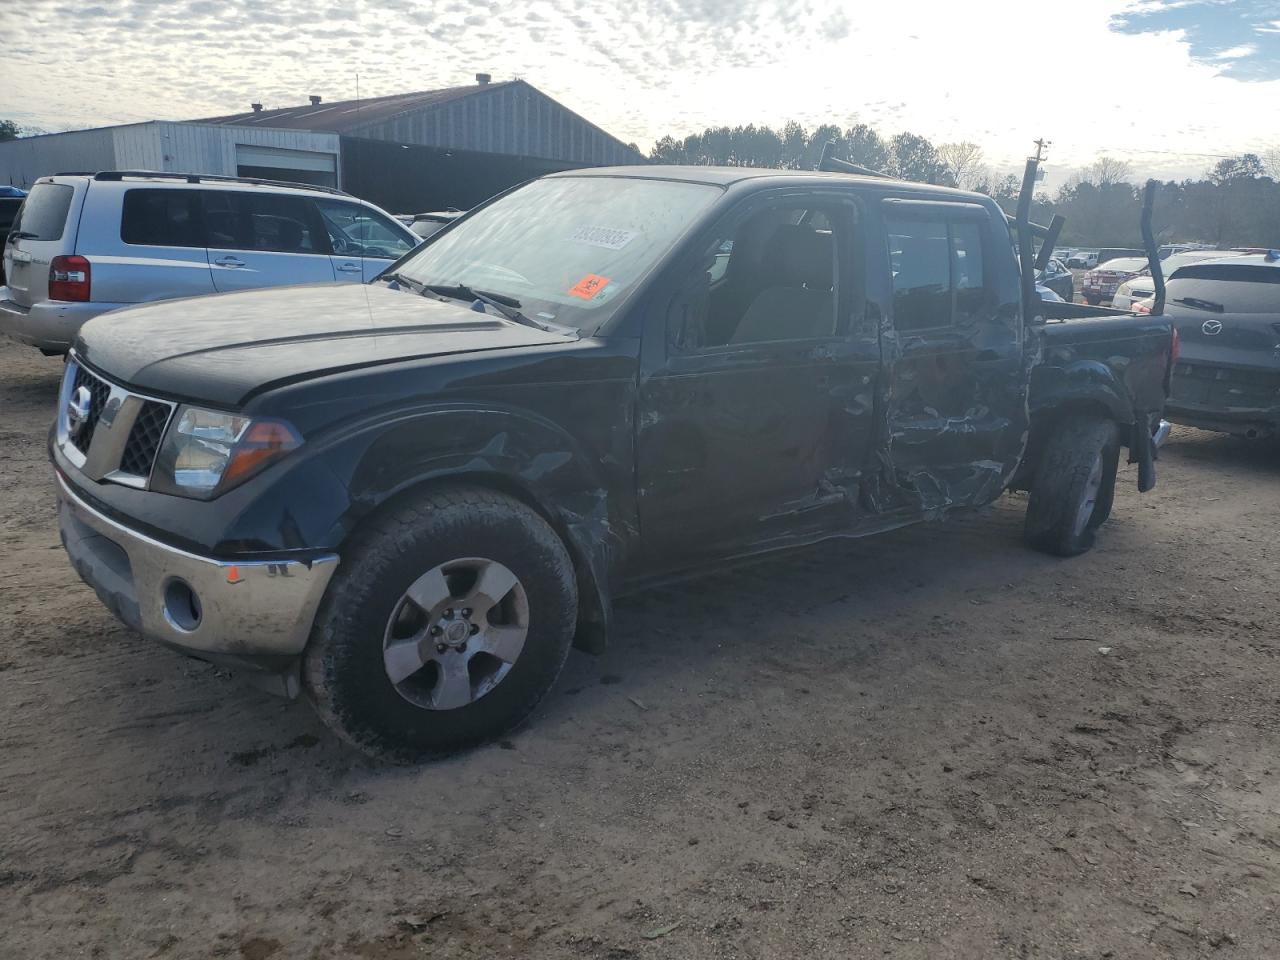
83 244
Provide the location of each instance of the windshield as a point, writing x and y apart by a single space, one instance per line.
567 249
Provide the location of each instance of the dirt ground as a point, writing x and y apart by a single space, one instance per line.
928 744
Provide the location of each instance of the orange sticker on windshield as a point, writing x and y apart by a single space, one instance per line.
588 286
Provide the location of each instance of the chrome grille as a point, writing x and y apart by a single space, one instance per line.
99 391
118 438
144 439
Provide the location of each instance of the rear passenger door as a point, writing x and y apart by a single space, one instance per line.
163 242
956 403
261 239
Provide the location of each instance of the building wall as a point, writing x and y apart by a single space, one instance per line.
514 120
411 179
24 161
157 145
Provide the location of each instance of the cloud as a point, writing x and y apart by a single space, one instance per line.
1238 37
647 68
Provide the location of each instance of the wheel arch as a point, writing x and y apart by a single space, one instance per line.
1046 419
519 454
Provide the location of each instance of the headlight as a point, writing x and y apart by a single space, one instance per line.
205 452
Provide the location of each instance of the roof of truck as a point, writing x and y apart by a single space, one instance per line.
724 176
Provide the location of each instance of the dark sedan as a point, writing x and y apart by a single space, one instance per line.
1228 318
1058 278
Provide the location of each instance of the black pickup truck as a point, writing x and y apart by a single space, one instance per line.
410 498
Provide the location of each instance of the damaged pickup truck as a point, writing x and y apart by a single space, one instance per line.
409 499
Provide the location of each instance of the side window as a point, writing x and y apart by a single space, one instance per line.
920 258
966 269
938 272
357 231
764 276
222 222
161 218
279 223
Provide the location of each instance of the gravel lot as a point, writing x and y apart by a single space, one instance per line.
928 744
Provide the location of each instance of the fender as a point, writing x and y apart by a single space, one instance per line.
511 449
1077 383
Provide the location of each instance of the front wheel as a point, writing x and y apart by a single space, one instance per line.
1073 487
449 622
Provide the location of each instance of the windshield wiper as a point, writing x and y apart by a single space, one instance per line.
1199 304
507 306
399 278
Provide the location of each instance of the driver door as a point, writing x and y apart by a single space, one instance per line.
755 407
363 242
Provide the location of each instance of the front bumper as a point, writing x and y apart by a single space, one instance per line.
50 324
253 613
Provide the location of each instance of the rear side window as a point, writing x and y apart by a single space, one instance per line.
262 221
919 254
281 224
44 213
162 218
938 272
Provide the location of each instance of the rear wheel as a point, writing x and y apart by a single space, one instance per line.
448 623
1073 486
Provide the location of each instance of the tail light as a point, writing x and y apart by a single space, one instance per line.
69 279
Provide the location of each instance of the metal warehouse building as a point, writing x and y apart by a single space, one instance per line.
407 152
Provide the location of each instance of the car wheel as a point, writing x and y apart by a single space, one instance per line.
449 621
1073 487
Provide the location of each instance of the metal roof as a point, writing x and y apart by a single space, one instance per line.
511 118
344 115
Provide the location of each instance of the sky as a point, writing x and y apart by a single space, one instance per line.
1168 85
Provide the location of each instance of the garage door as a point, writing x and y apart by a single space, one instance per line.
277 163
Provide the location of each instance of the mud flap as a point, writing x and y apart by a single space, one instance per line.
1142 451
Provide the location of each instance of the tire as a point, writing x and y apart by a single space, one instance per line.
434 545
1073 486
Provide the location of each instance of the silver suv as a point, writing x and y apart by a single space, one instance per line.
83 244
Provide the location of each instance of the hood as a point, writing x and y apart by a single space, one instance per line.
221 348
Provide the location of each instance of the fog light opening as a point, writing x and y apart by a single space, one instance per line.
182 605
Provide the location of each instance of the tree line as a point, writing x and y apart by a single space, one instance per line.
1235 203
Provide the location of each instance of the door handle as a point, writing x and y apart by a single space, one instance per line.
349 267
229 262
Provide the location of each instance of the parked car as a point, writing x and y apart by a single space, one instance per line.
10 191
1083 260
9 207
1101 283
429 224
411 498
1141 286
1058 278
85 244
1107 254
1167 250
1228 319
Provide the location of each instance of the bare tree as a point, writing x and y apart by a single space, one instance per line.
1271 160
964 162
1107 171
